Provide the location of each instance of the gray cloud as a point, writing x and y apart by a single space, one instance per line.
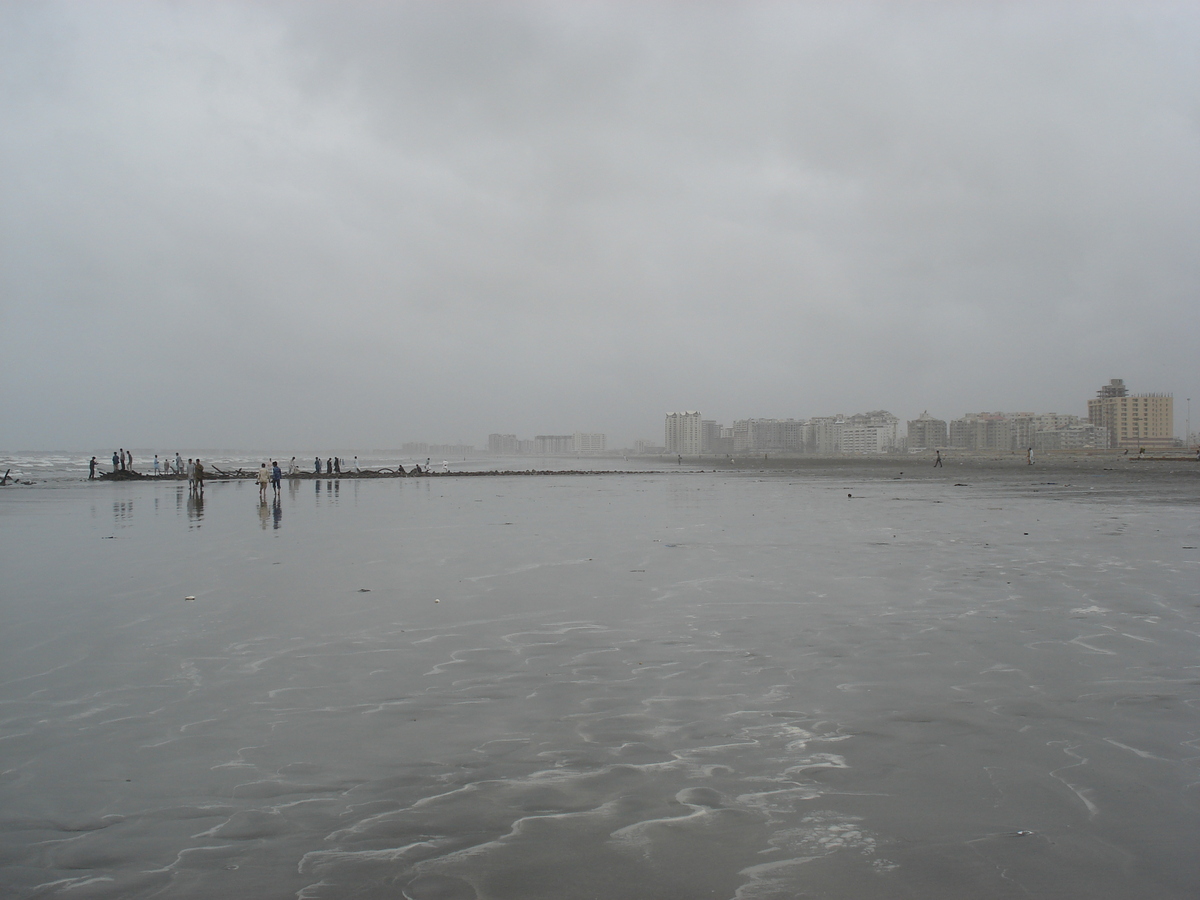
313 224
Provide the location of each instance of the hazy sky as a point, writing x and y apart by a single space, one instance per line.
278 225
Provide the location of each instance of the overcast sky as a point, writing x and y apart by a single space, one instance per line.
333 225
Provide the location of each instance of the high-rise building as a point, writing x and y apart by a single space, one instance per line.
982 431
684 433
1133 421
768 434
827 434
870 432
927 433
553 444
502 443
588 442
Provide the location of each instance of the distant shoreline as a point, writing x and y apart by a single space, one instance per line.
246 475
910 463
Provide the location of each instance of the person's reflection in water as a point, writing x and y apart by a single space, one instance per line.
337 489
276 513
293 487
317 482
195 508
263 514
122 511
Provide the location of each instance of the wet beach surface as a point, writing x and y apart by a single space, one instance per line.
820 682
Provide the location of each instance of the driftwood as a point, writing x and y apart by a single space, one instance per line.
120 475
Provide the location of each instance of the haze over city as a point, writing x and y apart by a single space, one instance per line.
321 225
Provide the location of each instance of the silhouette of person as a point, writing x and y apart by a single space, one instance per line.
938 462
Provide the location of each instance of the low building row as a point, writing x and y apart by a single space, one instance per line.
547 444
689 434
1001 432
1116 420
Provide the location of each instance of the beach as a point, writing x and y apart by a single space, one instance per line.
842 679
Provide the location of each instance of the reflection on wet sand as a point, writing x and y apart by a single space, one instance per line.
270 513
122 512
195 507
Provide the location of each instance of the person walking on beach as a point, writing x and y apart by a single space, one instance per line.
276 477
178 464
92 469
199 477
292 467
938 462
1029 457
263 477
191 474
156 472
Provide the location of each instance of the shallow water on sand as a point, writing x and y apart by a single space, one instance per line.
619 686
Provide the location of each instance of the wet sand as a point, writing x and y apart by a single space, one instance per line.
976 681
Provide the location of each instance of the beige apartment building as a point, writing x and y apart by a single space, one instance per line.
926 432
1134 421
684 433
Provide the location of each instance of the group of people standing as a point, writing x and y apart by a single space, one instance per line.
167 468
333 465
122 460
272 476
